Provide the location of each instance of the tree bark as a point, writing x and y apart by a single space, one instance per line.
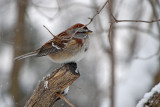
46 93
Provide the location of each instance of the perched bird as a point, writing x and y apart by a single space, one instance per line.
68 46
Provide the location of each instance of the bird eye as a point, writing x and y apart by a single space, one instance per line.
82 32
86 31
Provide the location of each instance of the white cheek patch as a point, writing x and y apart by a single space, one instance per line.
55 46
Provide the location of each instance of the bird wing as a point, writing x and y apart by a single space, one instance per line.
53 46
48 49
57 44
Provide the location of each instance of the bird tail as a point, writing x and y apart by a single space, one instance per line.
34 53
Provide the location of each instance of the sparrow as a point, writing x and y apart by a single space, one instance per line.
68 46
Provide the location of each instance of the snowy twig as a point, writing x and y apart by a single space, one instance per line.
151 99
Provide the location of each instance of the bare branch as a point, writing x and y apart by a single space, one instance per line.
49 31
142 21
62 97
91 19
145 58
109 35
130 21
110 11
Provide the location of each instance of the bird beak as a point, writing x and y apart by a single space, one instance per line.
89 31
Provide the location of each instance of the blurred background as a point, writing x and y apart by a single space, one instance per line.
117 77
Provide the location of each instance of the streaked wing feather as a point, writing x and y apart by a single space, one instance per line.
47 49
55 45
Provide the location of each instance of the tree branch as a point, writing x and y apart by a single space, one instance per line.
91 19
151 99
46 93
149 57
142 21
130 21
109 35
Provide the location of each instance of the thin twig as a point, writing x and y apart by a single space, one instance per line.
91 19
110 11
149 57
117 21
62 97
49 31
109 35
142 21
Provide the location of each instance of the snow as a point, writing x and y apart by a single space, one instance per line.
76 71
46 84
48 75
66 90
134 83
148 95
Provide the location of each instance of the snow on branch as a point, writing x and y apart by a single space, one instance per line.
54 86
151 99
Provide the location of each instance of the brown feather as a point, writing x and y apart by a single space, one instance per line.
78 25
